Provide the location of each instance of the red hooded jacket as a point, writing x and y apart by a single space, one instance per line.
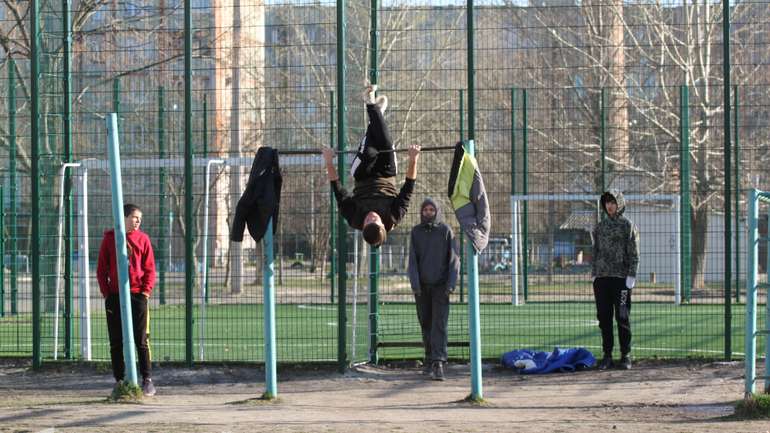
141 263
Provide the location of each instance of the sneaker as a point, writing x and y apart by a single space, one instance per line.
625 363
148 389
427 368
437 372
606 362
369 92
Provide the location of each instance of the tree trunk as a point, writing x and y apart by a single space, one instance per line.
618 150
236 252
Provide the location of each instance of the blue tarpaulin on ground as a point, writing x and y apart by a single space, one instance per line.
560 360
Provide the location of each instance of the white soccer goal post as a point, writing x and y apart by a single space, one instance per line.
663 228
81 169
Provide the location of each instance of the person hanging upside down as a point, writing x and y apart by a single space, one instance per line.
375 206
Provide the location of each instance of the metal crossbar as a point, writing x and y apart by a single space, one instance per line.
418 344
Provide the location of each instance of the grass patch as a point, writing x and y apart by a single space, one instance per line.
755 407
126 392
475 401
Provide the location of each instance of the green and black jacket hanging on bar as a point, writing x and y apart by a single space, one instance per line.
469 198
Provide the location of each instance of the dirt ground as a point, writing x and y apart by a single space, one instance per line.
653 397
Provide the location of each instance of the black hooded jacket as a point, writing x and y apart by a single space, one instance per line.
433 255
261 200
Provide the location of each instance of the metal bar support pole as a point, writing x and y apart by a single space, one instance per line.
767 310
121 253
752 276
268 281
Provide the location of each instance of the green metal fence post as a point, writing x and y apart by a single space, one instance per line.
12 223
332 211
514 208
116 98
736 205
462 238
163 257
206 155
727 164
205 126
684 190
374 253
68 241
2 253
603 139
374 304
524 191
188 185
342 319
35 179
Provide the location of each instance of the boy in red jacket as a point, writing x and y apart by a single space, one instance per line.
141 276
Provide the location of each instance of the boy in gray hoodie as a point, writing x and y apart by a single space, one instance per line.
433 268
614 266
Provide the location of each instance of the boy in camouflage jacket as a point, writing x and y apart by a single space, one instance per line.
614 265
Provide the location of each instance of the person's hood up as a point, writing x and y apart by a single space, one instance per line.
436 219
617 196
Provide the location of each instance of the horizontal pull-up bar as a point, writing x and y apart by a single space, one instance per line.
318 151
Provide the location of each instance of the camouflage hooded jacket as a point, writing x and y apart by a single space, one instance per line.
616 242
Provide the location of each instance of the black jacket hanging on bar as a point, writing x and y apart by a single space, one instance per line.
261 199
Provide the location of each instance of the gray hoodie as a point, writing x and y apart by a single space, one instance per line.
433 255
616 242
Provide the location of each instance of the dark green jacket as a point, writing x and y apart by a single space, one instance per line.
616 242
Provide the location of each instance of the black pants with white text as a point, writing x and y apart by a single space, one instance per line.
613 298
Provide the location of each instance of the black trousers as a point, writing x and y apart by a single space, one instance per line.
141 320
433 315
613 298
375 156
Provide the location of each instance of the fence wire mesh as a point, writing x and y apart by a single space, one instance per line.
570 98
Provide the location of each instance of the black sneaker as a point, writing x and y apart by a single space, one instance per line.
437 372
148 389
625 363
605 363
